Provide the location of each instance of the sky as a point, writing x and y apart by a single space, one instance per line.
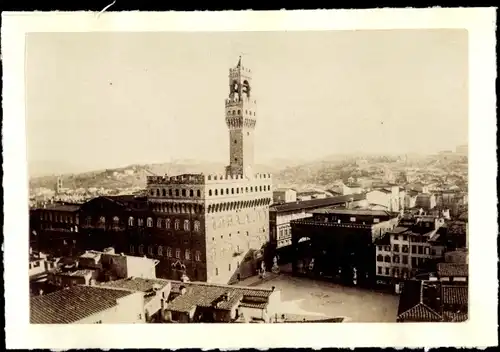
104 100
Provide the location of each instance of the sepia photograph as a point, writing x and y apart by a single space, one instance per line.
266 177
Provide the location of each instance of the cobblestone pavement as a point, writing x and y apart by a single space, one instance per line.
358 305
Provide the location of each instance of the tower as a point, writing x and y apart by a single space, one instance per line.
59 185
240 120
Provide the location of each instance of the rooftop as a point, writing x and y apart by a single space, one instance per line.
199 294
138 284
453 269
73 304
422 301
453 294
412 305
360 212
62 207
316 203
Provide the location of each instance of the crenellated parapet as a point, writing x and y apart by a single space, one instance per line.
194 179
221 178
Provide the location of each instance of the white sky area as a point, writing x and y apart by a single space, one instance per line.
103 100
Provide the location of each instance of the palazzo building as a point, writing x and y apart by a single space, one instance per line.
216 225
209 227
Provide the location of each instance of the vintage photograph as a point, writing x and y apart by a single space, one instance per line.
248 177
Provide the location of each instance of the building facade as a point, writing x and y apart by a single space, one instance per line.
218 223
339 243
281 216
413 246
284 195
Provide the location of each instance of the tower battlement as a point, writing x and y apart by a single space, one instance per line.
189 179
238 70
237 102
202 179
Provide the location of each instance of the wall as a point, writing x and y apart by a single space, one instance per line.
282 227
378 197
252 313
231 235
138 267
130 310
37 267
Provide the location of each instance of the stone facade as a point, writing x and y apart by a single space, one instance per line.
228 214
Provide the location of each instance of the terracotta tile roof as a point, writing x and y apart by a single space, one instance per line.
455 294
200 294
412 306
453 269
71 305
399 229
137 284
420 313
453 317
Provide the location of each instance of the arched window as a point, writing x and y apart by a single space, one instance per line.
116 221
170 192
197 225
131 221
251 189
169 252
160 251
246 189
149 222
140 222
164 192
191 193
232 190
187 254
157 192
227 190
221 192
186 225
131 249
215 192
152 192
177 224
102 222
380 258
150 250
167 223
198 193
209 192
158 223
141 249
183 192
178 253
197 256
176 192
387 259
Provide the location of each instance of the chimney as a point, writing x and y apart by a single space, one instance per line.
183 290
162 310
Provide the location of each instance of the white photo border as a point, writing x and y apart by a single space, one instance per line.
479 330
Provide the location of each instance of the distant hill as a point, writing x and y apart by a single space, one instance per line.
286 173
133 175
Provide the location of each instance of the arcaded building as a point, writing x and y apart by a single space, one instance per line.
214 226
